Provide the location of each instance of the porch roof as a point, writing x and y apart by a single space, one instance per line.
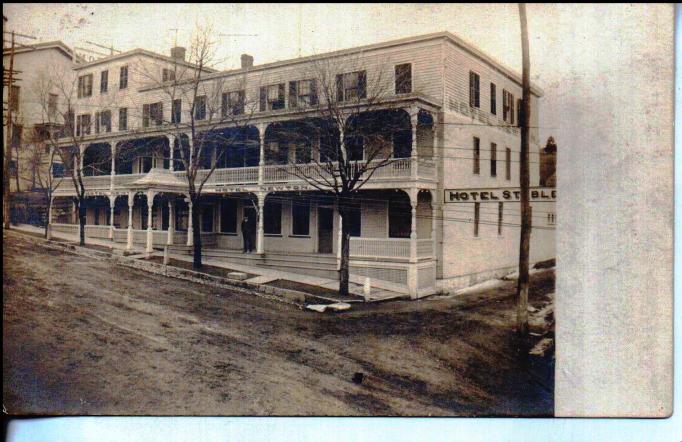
159 179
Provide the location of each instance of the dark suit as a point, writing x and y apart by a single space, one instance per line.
247 235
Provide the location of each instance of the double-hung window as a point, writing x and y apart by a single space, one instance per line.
123 78
272 97
104 82
85 86
474 89
403 78
302 93
233 103
351 86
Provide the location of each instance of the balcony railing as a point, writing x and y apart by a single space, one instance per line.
395 169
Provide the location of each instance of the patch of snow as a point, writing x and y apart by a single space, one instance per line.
339 306
486 285
320 308
515 275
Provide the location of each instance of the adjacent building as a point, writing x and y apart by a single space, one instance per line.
447 117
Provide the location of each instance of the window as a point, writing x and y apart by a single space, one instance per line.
123 78
300 214
507 163
207 218
302 93
272 97
85 86
176 111
474 89
69 123
168 75
104 82
303 152
399 218
96 122
17 131
14 99
200 108
355 219
352 85
12 168
403 78
57 170
52 107
551 219
272 221
477 155
123 118
228 216
354 147
493 99
493 159
152 113
477 217
105 120
500 211
83 125
507 107
233 103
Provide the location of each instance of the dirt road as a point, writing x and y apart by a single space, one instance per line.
85 337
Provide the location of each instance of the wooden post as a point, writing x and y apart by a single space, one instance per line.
524 248
131 203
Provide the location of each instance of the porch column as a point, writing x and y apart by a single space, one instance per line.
49 219
191 151
190 229
339 235
171 148
260 232
113 166
150 231
261 161
414 112
112 203
412 280
131 203
434 226
171 222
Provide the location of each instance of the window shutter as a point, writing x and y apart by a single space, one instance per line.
471 89
339 87
280 96
263 98
313 92
511 109
293 95
362 84
145 115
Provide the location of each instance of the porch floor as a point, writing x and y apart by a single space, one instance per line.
264 275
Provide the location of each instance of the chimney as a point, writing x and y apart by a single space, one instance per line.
247 61
178 53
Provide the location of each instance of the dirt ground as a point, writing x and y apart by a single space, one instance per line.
86 337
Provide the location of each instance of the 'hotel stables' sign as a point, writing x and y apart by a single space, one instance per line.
511 194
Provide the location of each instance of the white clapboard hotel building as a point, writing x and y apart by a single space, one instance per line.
434 218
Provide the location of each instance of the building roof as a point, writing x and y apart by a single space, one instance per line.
56 44
444 35
143 52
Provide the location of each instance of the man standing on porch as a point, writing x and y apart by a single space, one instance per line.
247 234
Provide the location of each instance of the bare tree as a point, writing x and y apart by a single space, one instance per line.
39 162
353 132
213 113
56 92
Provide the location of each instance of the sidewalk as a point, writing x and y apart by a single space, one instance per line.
264 275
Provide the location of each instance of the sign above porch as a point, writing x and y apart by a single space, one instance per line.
501 194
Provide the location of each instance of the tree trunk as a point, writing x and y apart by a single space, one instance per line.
81 223
196 236
524 246
344 268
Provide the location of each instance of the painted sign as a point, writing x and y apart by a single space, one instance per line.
504 194
221 188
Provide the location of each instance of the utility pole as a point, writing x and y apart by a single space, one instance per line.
524 247
7 150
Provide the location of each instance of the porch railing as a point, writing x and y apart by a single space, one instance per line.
395 169
380 247
70 229
97 231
